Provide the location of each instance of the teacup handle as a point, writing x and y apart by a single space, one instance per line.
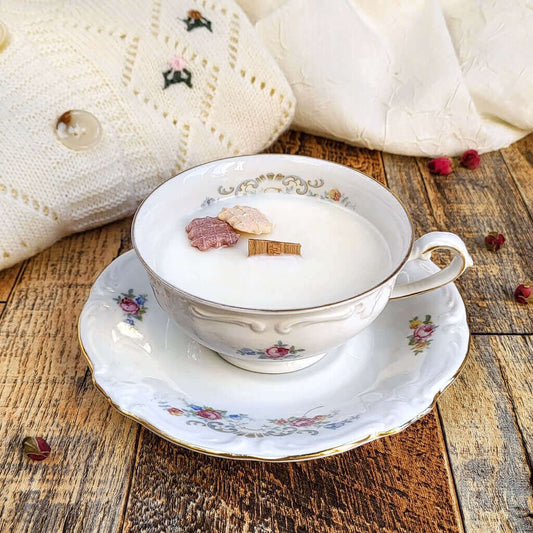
422 249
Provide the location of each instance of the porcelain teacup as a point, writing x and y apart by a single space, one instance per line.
284 340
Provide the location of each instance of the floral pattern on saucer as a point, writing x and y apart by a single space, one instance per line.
420 339
279 351
132 305
193 410
242 425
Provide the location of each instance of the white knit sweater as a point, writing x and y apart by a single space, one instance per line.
110 58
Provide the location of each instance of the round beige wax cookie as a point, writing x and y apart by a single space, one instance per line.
246 219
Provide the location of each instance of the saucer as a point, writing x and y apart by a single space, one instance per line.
377 384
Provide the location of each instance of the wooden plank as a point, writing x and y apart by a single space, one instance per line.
519 160
46 390
367 161
471 203
7 280
395 484
372 488
489 431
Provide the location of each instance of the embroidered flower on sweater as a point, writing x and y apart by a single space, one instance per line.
196 20
177 73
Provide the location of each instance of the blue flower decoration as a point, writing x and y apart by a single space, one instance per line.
140 300
130 321
195 407
334 425
208 201
246 351
235 417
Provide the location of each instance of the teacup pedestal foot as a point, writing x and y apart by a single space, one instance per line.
273 367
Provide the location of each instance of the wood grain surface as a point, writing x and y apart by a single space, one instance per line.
487 415
7 280
519 160
367 489
466 467
46 390
471 203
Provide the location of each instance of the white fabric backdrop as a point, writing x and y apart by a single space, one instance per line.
416 77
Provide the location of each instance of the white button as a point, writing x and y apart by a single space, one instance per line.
3 35
78 130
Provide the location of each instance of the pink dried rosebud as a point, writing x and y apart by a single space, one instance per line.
524 294
36 448
441 166
470 159
494 241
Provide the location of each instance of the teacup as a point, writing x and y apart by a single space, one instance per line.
287 337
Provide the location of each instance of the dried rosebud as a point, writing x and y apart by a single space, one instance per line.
524 294
494 241
441 166
470 159
36 448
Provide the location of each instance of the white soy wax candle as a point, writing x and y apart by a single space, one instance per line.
343 254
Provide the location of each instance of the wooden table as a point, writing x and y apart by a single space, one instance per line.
466 466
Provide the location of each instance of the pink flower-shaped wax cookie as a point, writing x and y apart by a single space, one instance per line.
209 232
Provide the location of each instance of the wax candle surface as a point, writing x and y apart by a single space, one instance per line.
343 254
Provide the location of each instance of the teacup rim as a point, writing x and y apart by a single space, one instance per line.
241 309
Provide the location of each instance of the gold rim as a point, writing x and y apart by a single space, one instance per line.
219 305
323 453
423 291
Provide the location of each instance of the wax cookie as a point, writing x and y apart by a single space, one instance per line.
209 232
246 219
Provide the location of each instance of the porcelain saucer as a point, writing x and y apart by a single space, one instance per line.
375 385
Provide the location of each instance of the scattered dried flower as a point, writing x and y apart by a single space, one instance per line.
441 166
470 159
524 294
36 448
494 241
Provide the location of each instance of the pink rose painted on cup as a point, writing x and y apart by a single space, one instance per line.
280 350
129 306
210 414
275 352
335 195
423 331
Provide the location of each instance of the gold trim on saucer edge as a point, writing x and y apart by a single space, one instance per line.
289 458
